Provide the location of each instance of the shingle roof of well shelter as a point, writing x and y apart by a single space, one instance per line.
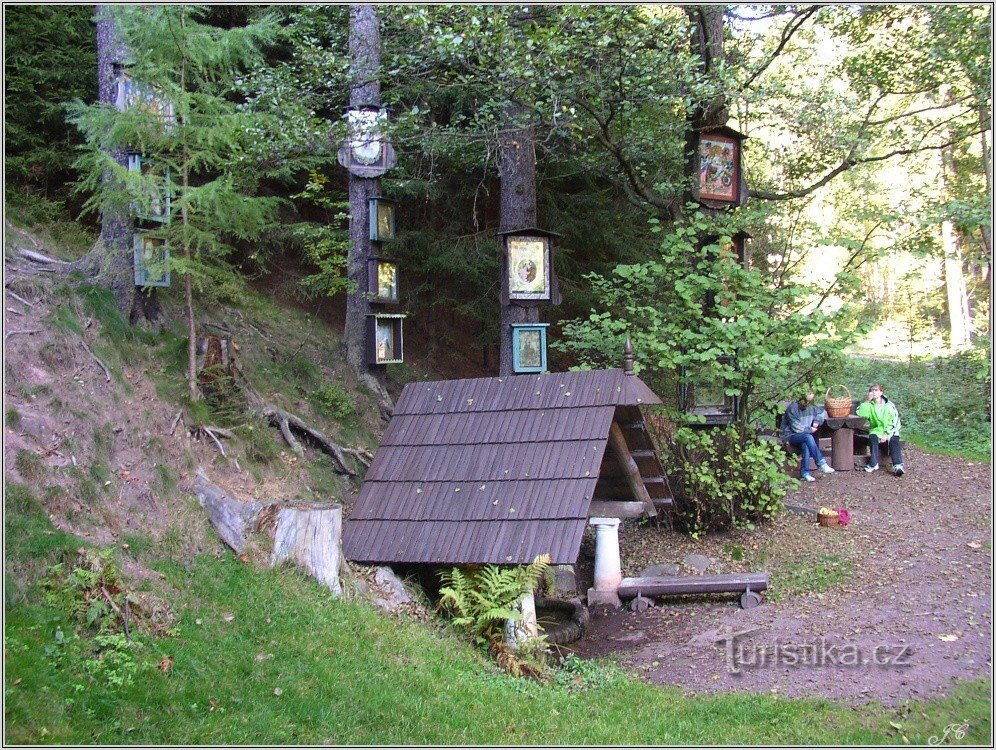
489 470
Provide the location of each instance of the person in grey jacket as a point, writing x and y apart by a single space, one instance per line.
802 419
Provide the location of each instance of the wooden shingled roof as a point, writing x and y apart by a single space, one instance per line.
495 470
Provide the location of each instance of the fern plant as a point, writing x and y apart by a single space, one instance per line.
481 600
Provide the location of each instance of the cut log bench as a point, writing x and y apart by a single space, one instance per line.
746 584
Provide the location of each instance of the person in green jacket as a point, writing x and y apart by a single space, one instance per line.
883 428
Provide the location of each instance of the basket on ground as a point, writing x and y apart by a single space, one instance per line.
828 518
837 406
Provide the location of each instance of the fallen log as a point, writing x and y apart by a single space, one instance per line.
312 539
39 258
231 519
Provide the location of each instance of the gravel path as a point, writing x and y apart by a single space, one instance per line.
913 616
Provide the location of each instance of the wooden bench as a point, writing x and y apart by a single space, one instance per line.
746 584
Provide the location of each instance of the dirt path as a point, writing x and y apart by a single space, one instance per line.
919 595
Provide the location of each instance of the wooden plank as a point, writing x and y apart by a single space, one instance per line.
672 585
617 441
615 488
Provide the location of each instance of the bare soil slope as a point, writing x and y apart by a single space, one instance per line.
91 410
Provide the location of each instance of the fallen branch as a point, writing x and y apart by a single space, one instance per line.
107 373
14 310
207 431
221 432
19 298
39 258
176 421
26 333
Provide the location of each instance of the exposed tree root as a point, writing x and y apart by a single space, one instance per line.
107 373
290 425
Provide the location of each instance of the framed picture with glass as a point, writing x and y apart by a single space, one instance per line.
366 152
153 194
130 94
529 347
151 260
718 166
705 395
382 276
385 339
382 213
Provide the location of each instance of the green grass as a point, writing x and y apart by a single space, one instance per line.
809 574
29 465
13 418
942 402
342 674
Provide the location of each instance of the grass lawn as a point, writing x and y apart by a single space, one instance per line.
942 401
341 674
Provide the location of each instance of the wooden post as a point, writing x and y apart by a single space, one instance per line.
631 472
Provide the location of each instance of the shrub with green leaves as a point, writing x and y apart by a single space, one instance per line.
725 478
113 660
480 601
334 401
90 590
760 337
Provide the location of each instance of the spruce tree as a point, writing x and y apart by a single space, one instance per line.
183 119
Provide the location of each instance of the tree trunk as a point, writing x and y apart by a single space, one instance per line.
517 166
955 288
707 41
364 53
954 276
110 262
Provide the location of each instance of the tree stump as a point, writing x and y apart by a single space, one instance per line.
312 539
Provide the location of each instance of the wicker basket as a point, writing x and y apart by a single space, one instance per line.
837 406
828 519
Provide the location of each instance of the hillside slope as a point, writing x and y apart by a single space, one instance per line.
227 652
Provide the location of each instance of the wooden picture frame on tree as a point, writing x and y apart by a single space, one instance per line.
132 94
151 260
366 152
718 178
529 347
382 281
385 339
705 397
382 221
528 274
153 205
